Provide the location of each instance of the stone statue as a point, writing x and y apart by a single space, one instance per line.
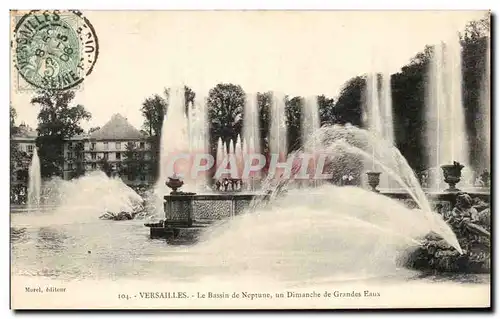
464 217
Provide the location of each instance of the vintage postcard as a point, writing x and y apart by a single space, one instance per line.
250 159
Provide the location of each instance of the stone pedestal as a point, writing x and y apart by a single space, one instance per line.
179 209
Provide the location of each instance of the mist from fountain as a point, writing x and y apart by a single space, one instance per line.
83 200
349 148
34 181
446 134
333 233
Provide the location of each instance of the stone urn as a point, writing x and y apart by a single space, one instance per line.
373 180
174 183
452 174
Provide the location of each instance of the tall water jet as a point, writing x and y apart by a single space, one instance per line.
174 141
251 132
220 153
348 149
199 137
34 181
446 134
378 108
239 155
310 125
387 113
278 131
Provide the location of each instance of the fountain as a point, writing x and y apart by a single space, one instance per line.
446 135
378 112
348 145
278 130
34 182
310 125
174 138
85 199
251 132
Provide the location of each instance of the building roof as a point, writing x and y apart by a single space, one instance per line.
118 128
24 132
78 137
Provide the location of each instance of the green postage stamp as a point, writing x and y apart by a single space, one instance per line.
54 50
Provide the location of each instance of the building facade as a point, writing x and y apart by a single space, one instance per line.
109 149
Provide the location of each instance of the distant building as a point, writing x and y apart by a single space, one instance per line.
24 140
108 146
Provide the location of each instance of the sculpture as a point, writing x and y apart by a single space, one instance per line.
452 174
174 183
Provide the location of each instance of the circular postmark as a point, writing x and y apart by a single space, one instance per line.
54 50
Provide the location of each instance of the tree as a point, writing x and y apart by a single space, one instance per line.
57 121
475 42
16 157
348 108
326 108
225 112
264 104
80 160
105 166
93 129
134 163
13 116
293 111
153 111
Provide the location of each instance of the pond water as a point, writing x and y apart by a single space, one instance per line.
329 242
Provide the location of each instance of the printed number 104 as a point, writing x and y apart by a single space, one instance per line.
123 296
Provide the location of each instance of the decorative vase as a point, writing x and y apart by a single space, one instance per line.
452 174
373 180
174 183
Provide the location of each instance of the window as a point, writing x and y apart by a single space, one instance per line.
70 145
141 145
70 166
131 177
92 146
105 145
118 156
143 178
94 165
69 155
118 145
106 156
93 156
30 148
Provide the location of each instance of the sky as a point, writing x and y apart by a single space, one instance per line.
293 52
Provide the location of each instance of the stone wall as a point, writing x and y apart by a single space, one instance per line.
220 206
